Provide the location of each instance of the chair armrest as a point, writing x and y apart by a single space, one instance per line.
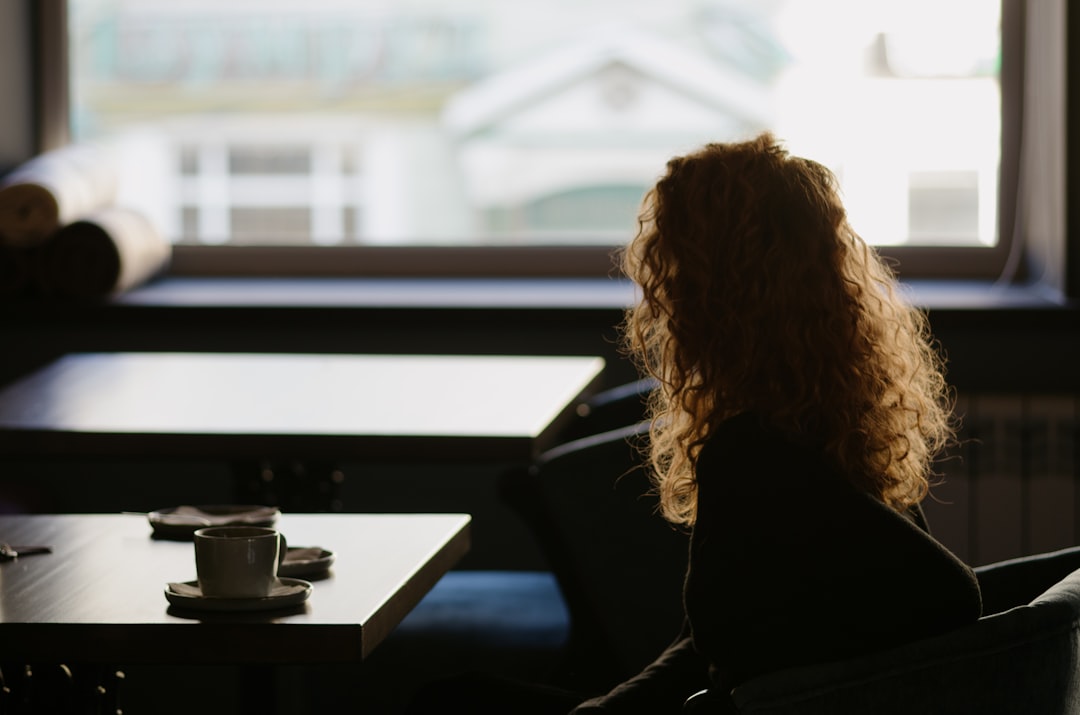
705 702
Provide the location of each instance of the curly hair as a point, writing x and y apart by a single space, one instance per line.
757 296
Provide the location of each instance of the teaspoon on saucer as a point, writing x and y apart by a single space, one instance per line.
9 552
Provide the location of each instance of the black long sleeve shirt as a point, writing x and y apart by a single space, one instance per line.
792 565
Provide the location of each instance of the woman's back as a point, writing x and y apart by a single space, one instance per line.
790 564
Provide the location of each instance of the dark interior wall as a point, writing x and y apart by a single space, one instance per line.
37 333
1021 350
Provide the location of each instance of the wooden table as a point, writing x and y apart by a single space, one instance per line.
97 603
241 406
99 597
285 423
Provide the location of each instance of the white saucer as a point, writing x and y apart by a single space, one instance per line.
306 562
286 592
181 522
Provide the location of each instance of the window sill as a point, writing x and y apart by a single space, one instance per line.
383 293
505 293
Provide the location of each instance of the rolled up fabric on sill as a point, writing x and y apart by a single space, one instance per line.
54 189
110 251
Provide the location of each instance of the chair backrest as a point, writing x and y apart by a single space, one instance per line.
619 564
1023 661
609 409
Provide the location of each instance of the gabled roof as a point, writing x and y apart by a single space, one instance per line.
502 95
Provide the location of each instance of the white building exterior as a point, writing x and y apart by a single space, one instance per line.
330 122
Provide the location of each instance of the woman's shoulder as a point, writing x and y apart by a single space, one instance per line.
746 453
746 430
749 471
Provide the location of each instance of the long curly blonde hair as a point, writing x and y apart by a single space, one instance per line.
756 295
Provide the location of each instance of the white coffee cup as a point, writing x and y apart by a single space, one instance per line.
237 561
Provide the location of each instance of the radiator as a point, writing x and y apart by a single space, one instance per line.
1010 488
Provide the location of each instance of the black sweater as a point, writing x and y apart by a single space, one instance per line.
791 565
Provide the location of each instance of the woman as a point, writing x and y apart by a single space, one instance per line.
799 409
800 406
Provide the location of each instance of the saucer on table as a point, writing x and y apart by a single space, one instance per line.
181 522
305 562
286 592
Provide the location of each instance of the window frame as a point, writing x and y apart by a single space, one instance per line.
1004 262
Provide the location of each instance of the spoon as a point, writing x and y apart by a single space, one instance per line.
9 552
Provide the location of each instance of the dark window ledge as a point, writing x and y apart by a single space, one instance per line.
382 293
506 293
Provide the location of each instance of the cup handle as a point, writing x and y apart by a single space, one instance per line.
283 548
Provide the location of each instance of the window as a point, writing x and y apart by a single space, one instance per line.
343 125
945 207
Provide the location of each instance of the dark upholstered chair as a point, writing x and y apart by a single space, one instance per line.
512 623
1024 661
619 565
609 409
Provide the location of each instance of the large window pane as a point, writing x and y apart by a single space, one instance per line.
344 122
